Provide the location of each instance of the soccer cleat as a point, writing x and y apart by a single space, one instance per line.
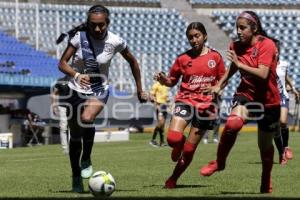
288 153
153 143
163 144
86 169
282 159
170 183
266 186
77 185
66 151
216 141
211 168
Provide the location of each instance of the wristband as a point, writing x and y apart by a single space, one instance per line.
76 76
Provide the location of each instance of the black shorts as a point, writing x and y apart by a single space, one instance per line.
267 118
161 109
205 120
77 98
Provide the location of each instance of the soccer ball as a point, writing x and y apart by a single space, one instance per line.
101 184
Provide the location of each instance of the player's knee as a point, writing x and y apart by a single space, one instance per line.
175 138
234 123
87 118
283 125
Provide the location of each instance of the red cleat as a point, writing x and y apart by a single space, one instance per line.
211 168
282 159
288 153
170 183
266 186
176 152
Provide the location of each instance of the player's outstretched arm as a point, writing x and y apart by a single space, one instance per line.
135 69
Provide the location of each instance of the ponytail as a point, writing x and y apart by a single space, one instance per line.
71 33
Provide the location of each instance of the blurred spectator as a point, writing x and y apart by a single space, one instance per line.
61 89
32 129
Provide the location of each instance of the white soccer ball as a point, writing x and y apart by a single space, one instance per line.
102 183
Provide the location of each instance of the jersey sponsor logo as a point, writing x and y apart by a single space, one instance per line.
200 81
108 48
211 64
85 44
86 47
87 50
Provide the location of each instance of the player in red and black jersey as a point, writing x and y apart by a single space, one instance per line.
254 55
198 68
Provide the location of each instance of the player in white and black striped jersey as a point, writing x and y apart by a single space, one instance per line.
281 138
92 47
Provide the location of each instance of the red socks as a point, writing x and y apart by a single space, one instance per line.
232 127
187 157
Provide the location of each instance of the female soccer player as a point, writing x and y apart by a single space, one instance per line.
92 47
282 136
254 55
198 68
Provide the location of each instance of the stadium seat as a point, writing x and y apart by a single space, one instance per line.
122 20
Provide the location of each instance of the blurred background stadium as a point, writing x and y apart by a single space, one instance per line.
154 31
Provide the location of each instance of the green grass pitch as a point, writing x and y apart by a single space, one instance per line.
140 171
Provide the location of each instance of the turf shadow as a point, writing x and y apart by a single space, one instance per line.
68 191
191 186
254 163
259 163
121 190
179 186
233 193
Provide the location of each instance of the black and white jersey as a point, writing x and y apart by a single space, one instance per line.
103 51
281 71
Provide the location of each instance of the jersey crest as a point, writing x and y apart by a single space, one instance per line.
254 52
109 48
211 64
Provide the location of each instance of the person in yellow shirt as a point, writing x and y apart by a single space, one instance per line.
159 96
